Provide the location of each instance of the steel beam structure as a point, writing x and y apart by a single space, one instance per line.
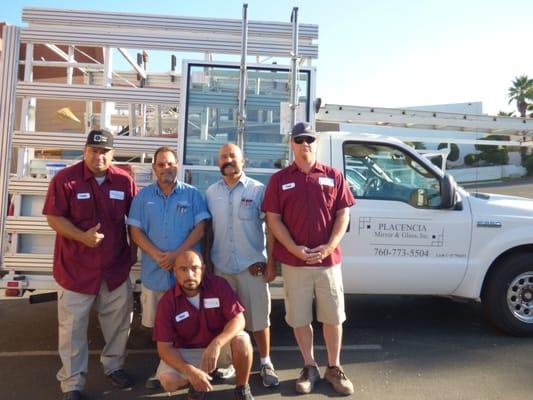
243 78
99 93
8 79
124 145
406 118
73 28
163 40
91 18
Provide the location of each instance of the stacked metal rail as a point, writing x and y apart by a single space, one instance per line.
518 129
63 27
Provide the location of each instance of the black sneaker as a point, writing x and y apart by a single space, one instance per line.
119 379
194 395
243 393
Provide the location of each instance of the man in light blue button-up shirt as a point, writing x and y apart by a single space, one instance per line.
165 219
237 240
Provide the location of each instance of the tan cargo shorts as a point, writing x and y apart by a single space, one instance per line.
303 284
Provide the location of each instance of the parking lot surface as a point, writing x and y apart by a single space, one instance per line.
395 347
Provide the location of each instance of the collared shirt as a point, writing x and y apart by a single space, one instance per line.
74 194
166 221
179 322
308 204
239 237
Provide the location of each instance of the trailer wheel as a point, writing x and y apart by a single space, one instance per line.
508 295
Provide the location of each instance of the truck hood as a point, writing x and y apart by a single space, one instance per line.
497 205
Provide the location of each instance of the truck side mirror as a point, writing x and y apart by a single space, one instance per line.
447 192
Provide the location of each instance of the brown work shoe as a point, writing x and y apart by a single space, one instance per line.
307 379
336 377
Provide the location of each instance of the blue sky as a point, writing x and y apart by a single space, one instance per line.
383 53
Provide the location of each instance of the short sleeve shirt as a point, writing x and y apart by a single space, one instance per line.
74 194
181 323
308 204
238 229
167 221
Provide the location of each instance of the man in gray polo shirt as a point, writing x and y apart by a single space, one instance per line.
237 242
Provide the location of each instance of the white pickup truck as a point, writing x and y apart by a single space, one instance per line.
413 230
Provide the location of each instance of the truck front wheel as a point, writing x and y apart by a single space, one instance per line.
508 295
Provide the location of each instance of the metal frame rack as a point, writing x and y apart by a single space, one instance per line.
520 130
108 30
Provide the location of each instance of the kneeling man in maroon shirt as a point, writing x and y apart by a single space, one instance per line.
199 327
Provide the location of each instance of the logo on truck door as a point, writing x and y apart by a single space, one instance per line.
401 237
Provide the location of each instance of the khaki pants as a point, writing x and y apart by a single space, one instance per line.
114 314
149 301
254 295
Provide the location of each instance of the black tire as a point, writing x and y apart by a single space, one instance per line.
508 295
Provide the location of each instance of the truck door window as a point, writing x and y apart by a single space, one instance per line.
382 172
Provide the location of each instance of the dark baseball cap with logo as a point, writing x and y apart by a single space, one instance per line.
303 129
100 138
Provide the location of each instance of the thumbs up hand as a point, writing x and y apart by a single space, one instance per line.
91 237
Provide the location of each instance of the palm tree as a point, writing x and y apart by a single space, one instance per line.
505 113
521 91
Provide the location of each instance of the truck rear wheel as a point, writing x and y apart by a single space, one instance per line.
508 295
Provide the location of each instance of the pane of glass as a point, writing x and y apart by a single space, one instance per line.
31 205
212 106
387 173
35 244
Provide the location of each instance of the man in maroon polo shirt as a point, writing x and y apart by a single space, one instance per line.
199 327
86 205
307 206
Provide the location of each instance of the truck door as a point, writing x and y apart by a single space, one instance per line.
400 240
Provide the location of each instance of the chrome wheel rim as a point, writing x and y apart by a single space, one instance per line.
520 297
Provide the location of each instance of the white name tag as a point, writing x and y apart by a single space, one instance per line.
182 316
212 302
83 196
116 194
288 186
325 181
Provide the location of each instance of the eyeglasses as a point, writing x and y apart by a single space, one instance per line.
306 139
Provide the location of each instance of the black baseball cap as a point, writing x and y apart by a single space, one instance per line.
303 129
100 138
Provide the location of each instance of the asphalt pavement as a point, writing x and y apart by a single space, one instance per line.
395 347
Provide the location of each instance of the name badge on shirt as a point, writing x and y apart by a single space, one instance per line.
288 186
182 316
325 181
116 194
213 302
83 196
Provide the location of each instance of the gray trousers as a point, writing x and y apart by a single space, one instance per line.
114 314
